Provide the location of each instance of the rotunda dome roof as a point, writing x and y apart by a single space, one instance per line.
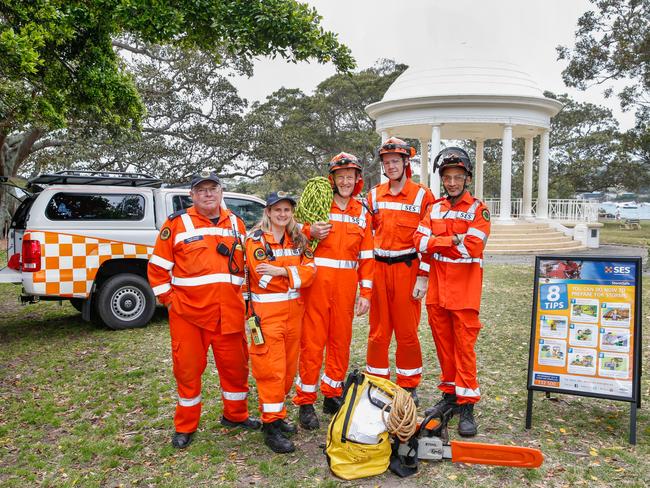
457 77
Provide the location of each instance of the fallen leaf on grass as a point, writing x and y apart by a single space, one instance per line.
452 477
593 452
563 430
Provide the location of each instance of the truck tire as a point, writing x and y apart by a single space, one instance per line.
77 303
125 301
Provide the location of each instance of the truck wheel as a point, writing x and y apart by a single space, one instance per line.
125 301
77 303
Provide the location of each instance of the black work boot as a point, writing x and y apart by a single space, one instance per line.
332 404
448 401
286 427
414 395
275 438
251 423
181 440
307 417
467 424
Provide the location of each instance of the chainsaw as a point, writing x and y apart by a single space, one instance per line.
431 443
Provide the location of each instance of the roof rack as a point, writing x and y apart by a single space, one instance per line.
88 177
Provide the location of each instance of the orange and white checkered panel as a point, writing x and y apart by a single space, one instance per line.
69 263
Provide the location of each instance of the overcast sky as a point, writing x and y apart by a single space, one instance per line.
524 32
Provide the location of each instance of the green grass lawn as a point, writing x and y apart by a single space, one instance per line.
85 406
613 234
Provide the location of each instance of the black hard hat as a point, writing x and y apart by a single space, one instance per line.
453 157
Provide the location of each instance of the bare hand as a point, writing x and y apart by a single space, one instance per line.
363 305
320 230
269 269
420 288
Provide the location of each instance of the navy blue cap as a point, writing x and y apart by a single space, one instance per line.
205 175
277 196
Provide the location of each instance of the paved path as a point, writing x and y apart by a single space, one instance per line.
604 250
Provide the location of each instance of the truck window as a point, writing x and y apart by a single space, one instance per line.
85 206
179 202
19 219
249 210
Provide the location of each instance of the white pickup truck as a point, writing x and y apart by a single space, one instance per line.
87 237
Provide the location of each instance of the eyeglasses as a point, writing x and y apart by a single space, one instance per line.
454 178
208 190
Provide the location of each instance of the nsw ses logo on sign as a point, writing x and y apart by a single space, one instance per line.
553 297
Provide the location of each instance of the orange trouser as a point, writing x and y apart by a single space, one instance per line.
327 325
393 308
275 362
189 354
455 333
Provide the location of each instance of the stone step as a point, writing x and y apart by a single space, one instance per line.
514 235
578 247
532 238
539 246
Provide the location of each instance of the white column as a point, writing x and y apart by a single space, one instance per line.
382 178
435 149
506 175
478 171
542 184
528 179
424 161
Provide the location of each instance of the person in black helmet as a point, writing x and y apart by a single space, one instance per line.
454 234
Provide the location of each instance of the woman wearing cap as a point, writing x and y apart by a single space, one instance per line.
280 263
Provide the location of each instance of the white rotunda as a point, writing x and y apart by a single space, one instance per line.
480 100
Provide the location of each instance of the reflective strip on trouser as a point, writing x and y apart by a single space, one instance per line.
455 333
393 309
275 362
327 328
189 356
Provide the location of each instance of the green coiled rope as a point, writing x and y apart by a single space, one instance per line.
315 202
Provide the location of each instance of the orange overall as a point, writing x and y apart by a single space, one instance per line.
280 307
454 294
397 265
206 308
343 259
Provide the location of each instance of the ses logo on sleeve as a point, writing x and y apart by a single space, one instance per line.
553 297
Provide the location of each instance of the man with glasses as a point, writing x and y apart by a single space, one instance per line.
196 271
400 276
454 233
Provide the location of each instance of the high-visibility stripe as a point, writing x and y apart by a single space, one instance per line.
462 249
187 222
272 407
373 194
203 231
366 283
286 252
333 383
474 206
208 279
409 372
348 219
435 211
296 276
264 280
160 289
444 259
381 371
275 297
467 392
189 402
366 254
424 266
424 230
162 262
424 242
419 197
387 253
403 207
335 263
304 387
234 395
473 231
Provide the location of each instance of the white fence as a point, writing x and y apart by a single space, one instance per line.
558 209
